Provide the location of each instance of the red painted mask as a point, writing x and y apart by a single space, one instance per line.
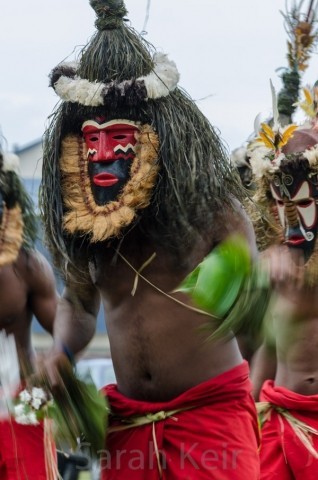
110 152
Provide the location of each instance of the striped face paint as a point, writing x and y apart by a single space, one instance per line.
111 148
296 201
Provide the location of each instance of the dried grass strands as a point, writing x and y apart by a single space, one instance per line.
11 235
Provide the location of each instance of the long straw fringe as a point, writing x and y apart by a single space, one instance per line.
102 222
301 429
11 235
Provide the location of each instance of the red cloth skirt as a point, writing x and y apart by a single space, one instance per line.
208 432
283 455
21 451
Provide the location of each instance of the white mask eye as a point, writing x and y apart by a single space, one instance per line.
276 181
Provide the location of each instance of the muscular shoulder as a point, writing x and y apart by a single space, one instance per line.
234 219
35 270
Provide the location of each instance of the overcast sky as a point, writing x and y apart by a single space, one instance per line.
226 51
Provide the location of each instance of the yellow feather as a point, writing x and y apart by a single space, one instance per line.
308 95
286 135
267 141
268 131
308 109
289 130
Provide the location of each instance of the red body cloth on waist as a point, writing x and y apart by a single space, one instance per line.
283 455
216 438
21 451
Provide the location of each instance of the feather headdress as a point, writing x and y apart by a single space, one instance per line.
281 153
302 33
310 104
267 151
300 25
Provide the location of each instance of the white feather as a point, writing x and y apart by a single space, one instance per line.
11 163
79 90
159 83
164 77
312 155
257 123
9 372
275 108
238 157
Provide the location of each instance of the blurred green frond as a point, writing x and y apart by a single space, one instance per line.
230 286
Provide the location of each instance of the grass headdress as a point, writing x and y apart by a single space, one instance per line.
120 76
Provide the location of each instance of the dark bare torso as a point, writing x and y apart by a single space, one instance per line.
296 329
157 345
15 312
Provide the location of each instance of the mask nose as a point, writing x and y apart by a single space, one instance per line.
105 153
291 214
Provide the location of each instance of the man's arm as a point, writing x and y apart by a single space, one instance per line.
74 327
76 315
263 367
41 287
264 361
71 318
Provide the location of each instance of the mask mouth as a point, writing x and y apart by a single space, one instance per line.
295 240
105 179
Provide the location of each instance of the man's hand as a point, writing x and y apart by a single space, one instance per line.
50 368
285 267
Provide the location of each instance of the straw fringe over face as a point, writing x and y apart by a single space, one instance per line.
83 215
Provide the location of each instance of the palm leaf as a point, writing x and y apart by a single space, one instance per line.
215 283
249 309
79 411
229 286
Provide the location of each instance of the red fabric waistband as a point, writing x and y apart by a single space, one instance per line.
229 386
282 397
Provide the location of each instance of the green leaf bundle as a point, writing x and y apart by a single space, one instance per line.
231 287
80 412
